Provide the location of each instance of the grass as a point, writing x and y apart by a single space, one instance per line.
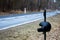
18 12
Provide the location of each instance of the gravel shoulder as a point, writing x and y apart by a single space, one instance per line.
29 31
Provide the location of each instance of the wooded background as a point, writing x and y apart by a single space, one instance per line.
29 4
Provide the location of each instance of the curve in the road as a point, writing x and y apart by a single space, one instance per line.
9 22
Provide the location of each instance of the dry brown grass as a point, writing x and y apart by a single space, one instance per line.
18 12
11 12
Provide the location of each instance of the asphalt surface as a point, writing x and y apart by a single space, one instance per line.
15 20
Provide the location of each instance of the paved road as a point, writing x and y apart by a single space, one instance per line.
12 21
